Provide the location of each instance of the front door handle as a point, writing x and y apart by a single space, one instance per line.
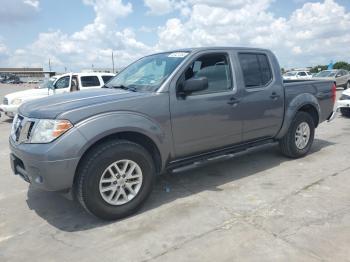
233 101
274 96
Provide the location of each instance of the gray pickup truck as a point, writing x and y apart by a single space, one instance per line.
162 112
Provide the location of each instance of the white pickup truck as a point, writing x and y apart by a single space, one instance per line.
55 85
344 103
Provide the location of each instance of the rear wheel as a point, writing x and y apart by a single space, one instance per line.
115 179
299 138
345 111
347 86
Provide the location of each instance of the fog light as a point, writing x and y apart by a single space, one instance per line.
39 180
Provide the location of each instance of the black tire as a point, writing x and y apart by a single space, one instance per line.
288 145
92 168
345 111
347 85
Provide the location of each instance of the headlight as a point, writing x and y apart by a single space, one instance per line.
16 101
47 130
344 97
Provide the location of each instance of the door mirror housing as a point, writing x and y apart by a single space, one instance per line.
194 85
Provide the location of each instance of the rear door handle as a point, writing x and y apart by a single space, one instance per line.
233 101
274 96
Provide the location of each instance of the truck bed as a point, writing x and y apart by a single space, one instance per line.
320 89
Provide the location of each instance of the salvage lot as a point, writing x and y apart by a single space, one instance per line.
256 206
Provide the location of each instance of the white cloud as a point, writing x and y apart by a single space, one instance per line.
17 11
159 7
91 45
162 7
312 34
32 3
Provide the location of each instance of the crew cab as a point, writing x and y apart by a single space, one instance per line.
55 85
167 110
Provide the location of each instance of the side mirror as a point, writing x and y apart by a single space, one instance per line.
194 85
337 75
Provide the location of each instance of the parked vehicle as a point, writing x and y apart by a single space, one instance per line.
294 75
339 76
344 103
164 111
55 85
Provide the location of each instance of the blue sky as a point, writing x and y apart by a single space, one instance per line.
78 33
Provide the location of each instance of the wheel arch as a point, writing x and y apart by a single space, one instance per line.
304 102
132 136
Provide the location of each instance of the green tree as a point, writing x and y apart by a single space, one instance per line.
318 68
342 65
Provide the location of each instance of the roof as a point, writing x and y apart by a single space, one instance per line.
86 74
209 48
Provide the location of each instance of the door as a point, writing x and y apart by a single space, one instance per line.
302 75
62 85
341 78
210 119
262 102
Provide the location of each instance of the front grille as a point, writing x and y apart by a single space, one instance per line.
21 129
6 101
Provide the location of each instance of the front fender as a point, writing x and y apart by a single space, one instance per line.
103 125
293 107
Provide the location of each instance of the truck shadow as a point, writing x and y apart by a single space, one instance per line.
69 216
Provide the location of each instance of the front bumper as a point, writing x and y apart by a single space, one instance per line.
49 166
9 110
343 103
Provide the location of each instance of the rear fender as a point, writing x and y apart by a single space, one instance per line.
293 107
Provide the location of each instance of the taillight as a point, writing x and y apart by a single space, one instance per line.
334 92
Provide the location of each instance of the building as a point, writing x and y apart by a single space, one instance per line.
100 70
27 73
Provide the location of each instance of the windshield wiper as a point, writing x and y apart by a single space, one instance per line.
132 89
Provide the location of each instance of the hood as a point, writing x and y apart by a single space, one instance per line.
52 106
346 92
28 93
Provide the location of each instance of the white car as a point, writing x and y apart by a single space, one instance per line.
294 75
55 85
344 103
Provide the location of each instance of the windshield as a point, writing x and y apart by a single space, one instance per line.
148 73
48 83
326 73
290 74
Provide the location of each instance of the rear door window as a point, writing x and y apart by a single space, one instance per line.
88 81
256 69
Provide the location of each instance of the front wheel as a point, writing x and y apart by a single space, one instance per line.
299 138
347 86
115 179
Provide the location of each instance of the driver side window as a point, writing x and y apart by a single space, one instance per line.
62 82
215 67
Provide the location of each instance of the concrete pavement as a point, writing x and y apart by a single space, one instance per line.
258 206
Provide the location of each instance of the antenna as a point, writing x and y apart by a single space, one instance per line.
112 62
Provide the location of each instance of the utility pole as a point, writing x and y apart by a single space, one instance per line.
49 65
112 62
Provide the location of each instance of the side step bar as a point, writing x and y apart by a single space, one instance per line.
215 155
